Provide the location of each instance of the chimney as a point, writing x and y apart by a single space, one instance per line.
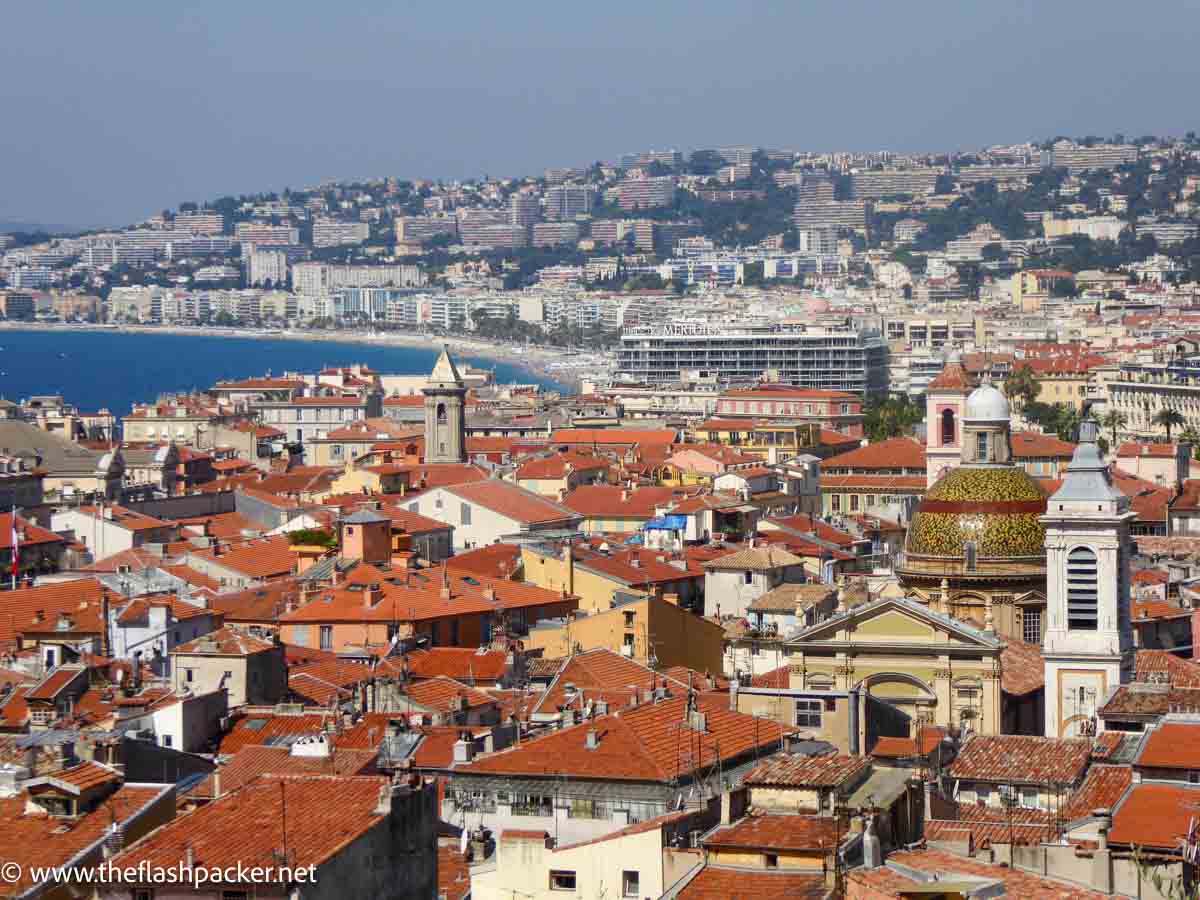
593 739
624 495
464 751
872 849
189 857
601 707
697 721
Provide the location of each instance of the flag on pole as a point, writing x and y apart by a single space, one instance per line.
16 548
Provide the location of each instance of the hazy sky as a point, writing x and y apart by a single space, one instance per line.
111 111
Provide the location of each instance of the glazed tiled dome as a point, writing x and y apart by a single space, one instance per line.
997 507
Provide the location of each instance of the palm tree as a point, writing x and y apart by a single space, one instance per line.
1114 420
1021 385
1191 436
1168 419
1066 423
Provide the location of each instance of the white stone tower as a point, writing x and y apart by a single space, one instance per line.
445 413
945 403
1089 647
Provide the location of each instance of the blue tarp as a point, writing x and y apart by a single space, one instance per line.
667 523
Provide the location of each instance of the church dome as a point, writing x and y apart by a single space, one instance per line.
996 507
987 404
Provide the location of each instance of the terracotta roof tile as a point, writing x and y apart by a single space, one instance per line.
893 453
885 881
601 674
793 770
513 501
609 436
777 832
1102 787
1012 758
719 883
438 693
464 664
40 840
256 759
494 560
1031 444
1180 673
324 814
1171 745
953 377
640 744
268 557
1155 815
1022 670
225 641
613 501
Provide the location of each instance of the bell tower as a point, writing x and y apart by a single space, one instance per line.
945 404
445 413
1089 647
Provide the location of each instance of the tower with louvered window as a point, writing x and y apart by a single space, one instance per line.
1089 646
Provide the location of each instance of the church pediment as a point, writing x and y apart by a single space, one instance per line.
894 621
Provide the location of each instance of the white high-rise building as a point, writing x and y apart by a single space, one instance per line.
1088 647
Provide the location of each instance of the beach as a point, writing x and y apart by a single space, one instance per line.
562 365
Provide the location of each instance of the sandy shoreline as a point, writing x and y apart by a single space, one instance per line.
535 360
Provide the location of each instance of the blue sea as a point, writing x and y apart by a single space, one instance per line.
94 369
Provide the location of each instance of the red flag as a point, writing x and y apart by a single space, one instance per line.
16 548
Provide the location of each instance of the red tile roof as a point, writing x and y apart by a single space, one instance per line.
778 832
464 664
885 881
1022 669
953 377
597 674
256 759
621 436
324 814
1180 673
1155 815
613 501
262 603
1031 444
719 883
54 682
438 693
805 524
494 560
513 502
1146 448
1171 745
41 840
268 557
225 642
894 453
31 534
651 742
794 770
1012 758
1102 787
417 596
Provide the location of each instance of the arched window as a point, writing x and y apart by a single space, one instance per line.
441 413
1083 582
947 427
